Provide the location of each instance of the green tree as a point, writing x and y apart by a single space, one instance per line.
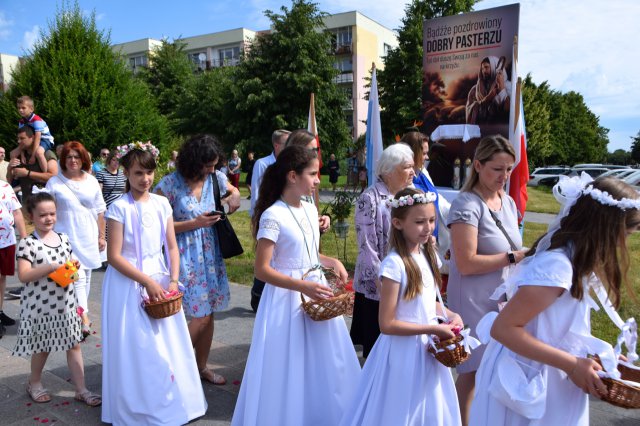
539 143
400 82
273 83
619 156
635 148
81 88
169 74
205 104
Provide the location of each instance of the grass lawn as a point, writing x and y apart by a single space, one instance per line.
240 269
541 200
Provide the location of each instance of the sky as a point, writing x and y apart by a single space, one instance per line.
589 46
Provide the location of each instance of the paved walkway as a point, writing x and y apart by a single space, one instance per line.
228 356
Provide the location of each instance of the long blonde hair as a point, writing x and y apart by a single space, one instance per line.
399 244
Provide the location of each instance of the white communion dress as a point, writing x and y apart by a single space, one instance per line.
299 371
403 384
149 373
514 390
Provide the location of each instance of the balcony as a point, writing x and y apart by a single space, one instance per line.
342 49
229 62
345 77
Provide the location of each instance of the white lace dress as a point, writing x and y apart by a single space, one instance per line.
299 371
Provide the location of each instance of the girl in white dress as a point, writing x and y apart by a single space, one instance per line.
299 371
535 370
401 382
149 373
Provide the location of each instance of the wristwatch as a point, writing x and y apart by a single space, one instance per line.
511 257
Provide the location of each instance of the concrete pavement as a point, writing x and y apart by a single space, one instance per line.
228 356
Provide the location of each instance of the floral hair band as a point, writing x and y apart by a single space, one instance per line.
409 200
123 150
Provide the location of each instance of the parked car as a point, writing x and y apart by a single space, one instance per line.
633 178
619 173
594 172
543 173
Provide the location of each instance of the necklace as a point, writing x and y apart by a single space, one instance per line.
304 233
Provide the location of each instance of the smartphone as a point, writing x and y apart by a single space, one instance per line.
216 212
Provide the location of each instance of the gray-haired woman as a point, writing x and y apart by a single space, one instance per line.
394 172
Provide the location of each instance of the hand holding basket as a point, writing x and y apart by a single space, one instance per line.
323 309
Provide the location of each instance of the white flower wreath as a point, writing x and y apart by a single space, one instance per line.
409 200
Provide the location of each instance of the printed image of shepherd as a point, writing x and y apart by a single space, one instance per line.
488 99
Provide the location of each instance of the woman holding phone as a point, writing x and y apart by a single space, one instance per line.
190 192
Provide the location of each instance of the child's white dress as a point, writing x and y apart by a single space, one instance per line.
299 371
149 373
401 383
538 394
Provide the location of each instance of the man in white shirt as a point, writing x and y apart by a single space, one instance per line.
278 139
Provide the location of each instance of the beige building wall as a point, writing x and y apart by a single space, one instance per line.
370 42
8 63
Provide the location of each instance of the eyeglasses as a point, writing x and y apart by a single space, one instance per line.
104 154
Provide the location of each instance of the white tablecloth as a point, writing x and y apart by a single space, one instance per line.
448 193
456 131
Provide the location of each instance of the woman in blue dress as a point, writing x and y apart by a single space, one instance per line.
202 270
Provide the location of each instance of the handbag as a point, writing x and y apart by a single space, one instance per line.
227 239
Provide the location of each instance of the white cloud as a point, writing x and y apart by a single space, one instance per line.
587 46
5 26
30 38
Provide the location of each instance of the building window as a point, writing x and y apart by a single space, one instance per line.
341 40
229 56
345 65
199 59
386 48
138 61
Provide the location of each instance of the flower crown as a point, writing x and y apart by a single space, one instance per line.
570 189
123 150
409 200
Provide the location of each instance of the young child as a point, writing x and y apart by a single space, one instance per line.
535 369
48 317
299 371
10 216
43 138
401 382
149 373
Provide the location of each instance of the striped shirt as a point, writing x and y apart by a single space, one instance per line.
113 185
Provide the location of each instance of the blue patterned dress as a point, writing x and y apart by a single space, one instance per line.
202 269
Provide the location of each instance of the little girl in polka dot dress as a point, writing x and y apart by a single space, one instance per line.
49 320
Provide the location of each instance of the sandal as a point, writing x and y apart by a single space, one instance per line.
89 398
39 395
210 376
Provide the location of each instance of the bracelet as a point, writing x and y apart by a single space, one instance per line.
173 281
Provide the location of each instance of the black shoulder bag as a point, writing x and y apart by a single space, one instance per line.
227 239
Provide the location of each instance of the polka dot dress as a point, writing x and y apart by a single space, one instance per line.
48 318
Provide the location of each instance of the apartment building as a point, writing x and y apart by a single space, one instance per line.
357 43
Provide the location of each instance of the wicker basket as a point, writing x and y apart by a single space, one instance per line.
447 356
164 308
619 393
324 309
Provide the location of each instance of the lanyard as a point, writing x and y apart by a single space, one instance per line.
302 230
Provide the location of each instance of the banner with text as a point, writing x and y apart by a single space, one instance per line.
466 81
